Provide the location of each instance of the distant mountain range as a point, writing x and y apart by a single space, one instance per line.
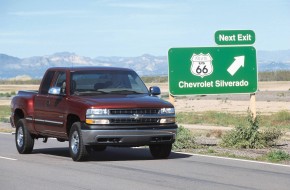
144 65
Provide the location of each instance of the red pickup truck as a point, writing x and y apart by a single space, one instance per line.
92 108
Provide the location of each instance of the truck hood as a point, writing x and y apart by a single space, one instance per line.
123 101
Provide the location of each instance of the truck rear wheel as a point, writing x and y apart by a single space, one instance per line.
77 149
160 151
23 139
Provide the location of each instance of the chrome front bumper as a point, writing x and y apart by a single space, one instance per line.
129 137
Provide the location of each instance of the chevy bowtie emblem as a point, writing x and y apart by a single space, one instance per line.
135 116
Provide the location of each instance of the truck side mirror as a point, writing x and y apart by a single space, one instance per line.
54 91
154 90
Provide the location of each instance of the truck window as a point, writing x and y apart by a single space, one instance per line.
107 81
46 82
60 81
136 82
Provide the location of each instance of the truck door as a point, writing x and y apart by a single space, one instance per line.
50 109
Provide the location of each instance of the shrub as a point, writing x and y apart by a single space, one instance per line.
270 135
184 139
250 136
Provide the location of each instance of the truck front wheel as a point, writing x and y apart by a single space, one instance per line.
77 149
23 139
160 151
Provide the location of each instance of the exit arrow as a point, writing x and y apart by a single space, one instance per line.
238 63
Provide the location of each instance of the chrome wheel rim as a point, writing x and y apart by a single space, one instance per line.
75 142
20 137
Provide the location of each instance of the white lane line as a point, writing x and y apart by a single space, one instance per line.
235 159
2 133
6 158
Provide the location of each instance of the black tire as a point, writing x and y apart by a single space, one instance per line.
77 149
160 151
23 139
99 148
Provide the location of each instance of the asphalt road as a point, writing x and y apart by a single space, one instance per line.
50 167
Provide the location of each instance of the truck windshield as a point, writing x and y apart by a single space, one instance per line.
106 82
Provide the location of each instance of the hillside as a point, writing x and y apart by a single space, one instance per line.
145 65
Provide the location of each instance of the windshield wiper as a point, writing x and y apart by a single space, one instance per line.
90 92
125 92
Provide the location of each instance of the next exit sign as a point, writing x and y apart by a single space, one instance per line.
235 37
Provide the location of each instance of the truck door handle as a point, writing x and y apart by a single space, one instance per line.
47 103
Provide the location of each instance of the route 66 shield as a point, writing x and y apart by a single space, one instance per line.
201 65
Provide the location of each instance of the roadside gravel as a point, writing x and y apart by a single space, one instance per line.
208 138
6 127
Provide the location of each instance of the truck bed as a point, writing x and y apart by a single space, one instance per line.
27 92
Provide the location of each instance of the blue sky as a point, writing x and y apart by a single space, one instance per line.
134 27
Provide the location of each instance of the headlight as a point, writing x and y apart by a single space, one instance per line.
92 112
167 111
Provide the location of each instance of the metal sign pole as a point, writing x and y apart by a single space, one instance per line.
253 105
171 99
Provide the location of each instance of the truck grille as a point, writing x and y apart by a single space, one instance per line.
141 121
133 111
134 116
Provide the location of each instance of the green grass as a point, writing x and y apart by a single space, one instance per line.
279 119
4 113
7 94
210 117
277 156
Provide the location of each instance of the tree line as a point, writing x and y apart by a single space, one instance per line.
262 76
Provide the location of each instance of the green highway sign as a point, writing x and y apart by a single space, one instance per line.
212 70
235 37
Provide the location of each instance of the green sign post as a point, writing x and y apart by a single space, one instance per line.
212 70
235 37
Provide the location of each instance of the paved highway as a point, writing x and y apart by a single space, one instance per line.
50 167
